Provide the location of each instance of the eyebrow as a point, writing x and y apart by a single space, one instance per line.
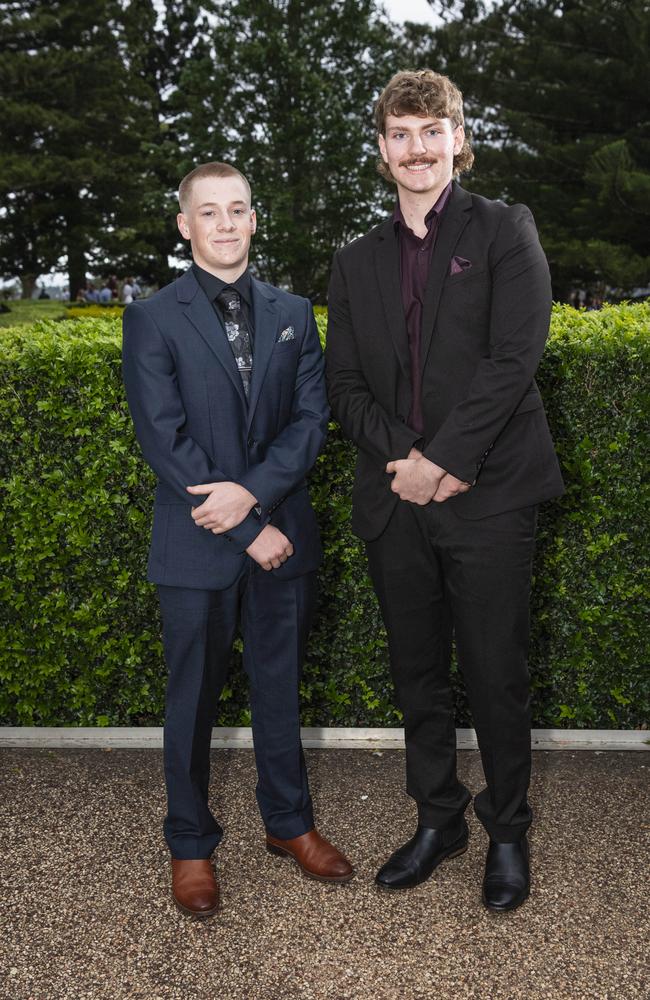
403 128
214 204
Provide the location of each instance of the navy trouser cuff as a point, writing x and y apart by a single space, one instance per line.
288 827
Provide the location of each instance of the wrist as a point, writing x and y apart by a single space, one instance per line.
248 496
435 471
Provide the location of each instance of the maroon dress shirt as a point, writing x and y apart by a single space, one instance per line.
415 260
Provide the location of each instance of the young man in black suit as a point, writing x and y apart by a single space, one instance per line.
437 321
225 383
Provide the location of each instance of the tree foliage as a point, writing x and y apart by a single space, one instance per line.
284 89
80 165
108 103
561 121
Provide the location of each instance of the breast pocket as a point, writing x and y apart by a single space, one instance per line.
284 356
285 347
452 280
466 297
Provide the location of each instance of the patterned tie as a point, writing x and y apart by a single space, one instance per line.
238 334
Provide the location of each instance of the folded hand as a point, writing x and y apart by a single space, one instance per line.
227 505
271 548
416 479
450 486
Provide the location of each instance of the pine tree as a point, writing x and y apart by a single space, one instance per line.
559 115
78 121
284 90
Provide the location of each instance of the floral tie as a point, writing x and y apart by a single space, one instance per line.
238 334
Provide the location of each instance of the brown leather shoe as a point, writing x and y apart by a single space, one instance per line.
316 856
194 887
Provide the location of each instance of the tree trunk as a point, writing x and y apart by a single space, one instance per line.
27 283
76 263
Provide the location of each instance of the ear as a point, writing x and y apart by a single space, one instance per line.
459 139
382 147
183 227
253 222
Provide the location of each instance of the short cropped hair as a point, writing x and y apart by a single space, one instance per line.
214 169
426 94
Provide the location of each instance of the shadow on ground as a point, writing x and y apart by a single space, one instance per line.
86 912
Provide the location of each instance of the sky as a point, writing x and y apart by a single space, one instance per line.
411 10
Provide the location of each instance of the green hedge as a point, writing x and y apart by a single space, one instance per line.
79 640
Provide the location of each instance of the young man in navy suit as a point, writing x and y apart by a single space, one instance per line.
224 379
437 322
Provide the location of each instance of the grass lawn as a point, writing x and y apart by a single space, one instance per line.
25 311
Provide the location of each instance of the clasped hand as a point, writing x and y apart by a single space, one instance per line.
271 548
420 481
226 506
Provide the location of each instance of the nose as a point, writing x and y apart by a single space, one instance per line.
416 145
224 222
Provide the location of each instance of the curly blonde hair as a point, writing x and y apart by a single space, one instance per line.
427 94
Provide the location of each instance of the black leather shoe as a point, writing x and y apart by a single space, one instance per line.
416 860
507 876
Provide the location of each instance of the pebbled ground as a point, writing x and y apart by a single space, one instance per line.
86 913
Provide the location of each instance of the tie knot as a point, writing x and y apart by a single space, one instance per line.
228 299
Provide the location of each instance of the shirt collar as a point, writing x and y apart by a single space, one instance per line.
438 208
213 286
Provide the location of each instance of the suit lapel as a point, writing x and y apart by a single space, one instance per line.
203 316
266 319
388 273
455 218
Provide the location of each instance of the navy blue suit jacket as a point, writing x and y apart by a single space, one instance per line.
194 426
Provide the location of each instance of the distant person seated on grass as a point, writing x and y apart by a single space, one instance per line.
91 294
105 294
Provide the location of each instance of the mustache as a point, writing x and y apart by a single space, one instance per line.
416 161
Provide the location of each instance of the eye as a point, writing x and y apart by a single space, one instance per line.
207 212
433 131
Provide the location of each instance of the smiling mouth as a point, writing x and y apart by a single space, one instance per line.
418 168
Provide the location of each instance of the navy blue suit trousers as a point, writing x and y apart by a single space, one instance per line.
198 631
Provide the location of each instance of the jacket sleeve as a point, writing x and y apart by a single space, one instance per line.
158 417
291 455
519 324
362 418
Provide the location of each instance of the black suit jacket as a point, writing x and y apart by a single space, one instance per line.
483 333
195 426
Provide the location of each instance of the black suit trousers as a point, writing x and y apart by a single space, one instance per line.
437 575
198 631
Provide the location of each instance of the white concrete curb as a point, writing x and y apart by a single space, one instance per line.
328 739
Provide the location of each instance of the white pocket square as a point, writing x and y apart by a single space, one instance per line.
287 334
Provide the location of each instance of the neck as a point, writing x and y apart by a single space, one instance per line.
416 205
227 274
